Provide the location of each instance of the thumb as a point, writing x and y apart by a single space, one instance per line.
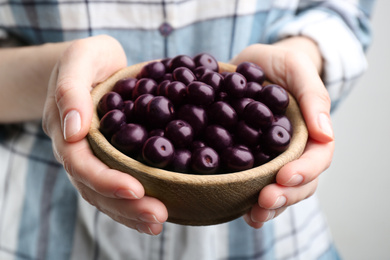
84 64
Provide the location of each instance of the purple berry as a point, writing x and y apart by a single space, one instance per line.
111 122
253 90
130 138
237 159
109 101
144 86
217 137
213 79
176 91
275 97
235 85
199 93
251 72
140 107
128 110
124 87
158 151
205 160
180 133
184 75
223 114
247 135
206 60
181 61
159 111
195 116
154 70
284 122
181 161
258 115
276 139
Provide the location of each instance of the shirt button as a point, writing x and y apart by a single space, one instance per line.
165 29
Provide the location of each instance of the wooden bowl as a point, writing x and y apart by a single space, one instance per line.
197 199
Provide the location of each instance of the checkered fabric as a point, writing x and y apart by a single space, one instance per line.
43 217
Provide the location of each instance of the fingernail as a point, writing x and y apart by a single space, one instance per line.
126 194
72 124
148 218
325 124
271 215
280 201
145 229
294 180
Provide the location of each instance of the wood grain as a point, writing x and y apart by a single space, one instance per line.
197 199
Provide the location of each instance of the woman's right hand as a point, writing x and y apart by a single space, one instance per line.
66 120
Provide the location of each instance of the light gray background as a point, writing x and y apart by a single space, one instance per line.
355 191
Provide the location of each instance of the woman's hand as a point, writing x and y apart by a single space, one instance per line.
295 64
67 117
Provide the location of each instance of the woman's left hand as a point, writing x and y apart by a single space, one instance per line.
294 64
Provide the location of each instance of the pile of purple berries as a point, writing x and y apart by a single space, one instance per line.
181 114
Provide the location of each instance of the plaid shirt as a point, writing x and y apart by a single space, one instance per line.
43 217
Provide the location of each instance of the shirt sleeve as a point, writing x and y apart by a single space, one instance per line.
342 31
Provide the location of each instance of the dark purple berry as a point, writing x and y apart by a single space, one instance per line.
275 97
140 107
124 87
130 138
206 60
195 116
154 70
181 61
161 88
213 79
284 122
199 93
235 85
158 151
197 144
176 91
247 135
253 90
181 161
205 160
109 101
200 71
180 133
276 139
144 86
223 114
159 111
258 115
184 75
111 122
128 110
240 104
217 137
260 155
251 72
156 132
236 159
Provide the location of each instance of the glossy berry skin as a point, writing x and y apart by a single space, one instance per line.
128 110
181 61
199 93
194 115
284 122
251 72
253 90
159 111
258 115
154 70
176 91
180 133
276 139
206 60
240 104
184 75
161 87
111 122
197 144
158 151
223 114
275 97
213 79
181 161
217 137
200 71
130 138
236 159
140 107
235 85
246 135
144 86
156 132
109 101
205 160
124 87
260 155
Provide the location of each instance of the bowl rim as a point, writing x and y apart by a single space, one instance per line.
295 149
